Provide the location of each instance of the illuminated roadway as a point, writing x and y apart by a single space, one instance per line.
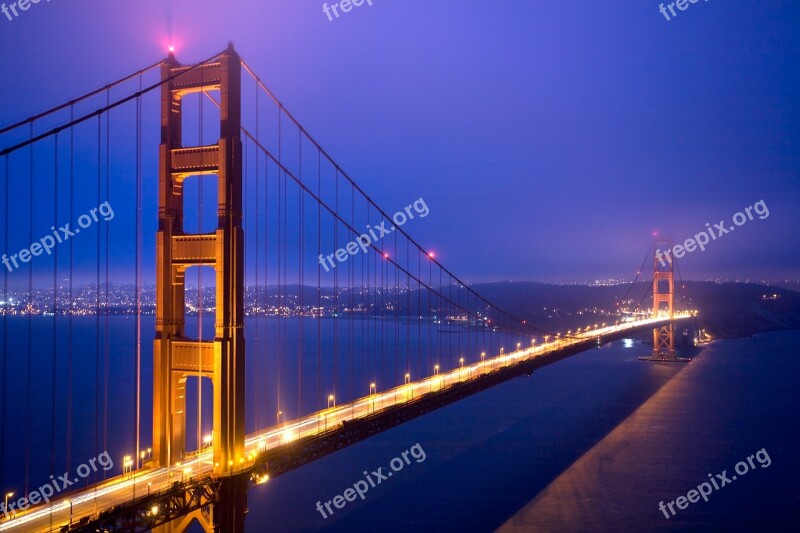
120 489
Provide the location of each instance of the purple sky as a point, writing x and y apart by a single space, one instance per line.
549 139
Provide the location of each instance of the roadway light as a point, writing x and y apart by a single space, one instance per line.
148 488
154 510
207 440
533 341
8 495
408 378
331 399
278 417
435 370
483 356
462 362
70 513
372 388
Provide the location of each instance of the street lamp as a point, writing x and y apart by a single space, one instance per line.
502 350
331 399
519 345
207 440
407 378
278 417
127 464
461 361
8 495
435 370
70 513
372 388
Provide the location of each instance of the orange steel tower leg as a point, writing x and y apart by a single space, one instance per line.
175 356
663 293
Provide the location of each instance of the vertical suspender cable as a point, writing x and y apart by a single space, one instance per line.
431 359
319 274
97 297
279 351
266 344
5 324
419 314
351 272
138 267
301 288
257 223
396 303
54 348
107 340
71 301
336 291
29 374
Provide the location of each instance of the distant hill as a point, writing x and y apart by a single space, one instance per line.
726 310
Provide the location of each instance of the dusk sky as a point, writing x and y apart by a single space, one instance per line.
549 139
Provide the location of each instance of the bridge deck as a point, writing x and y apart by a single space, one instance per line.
265 448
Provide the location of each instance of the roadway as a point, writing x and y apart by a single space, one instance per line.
112 492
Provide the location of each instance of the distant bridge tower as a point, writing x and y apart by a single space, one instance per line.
663 301
176 356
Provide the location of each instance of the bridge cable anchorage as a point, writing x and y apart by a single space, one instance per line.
73 121
344 174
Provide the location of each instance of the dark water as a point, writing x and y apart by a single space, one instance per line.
491 454
486 457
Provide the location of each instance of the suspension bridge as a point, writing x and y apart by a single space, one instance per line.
282 359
